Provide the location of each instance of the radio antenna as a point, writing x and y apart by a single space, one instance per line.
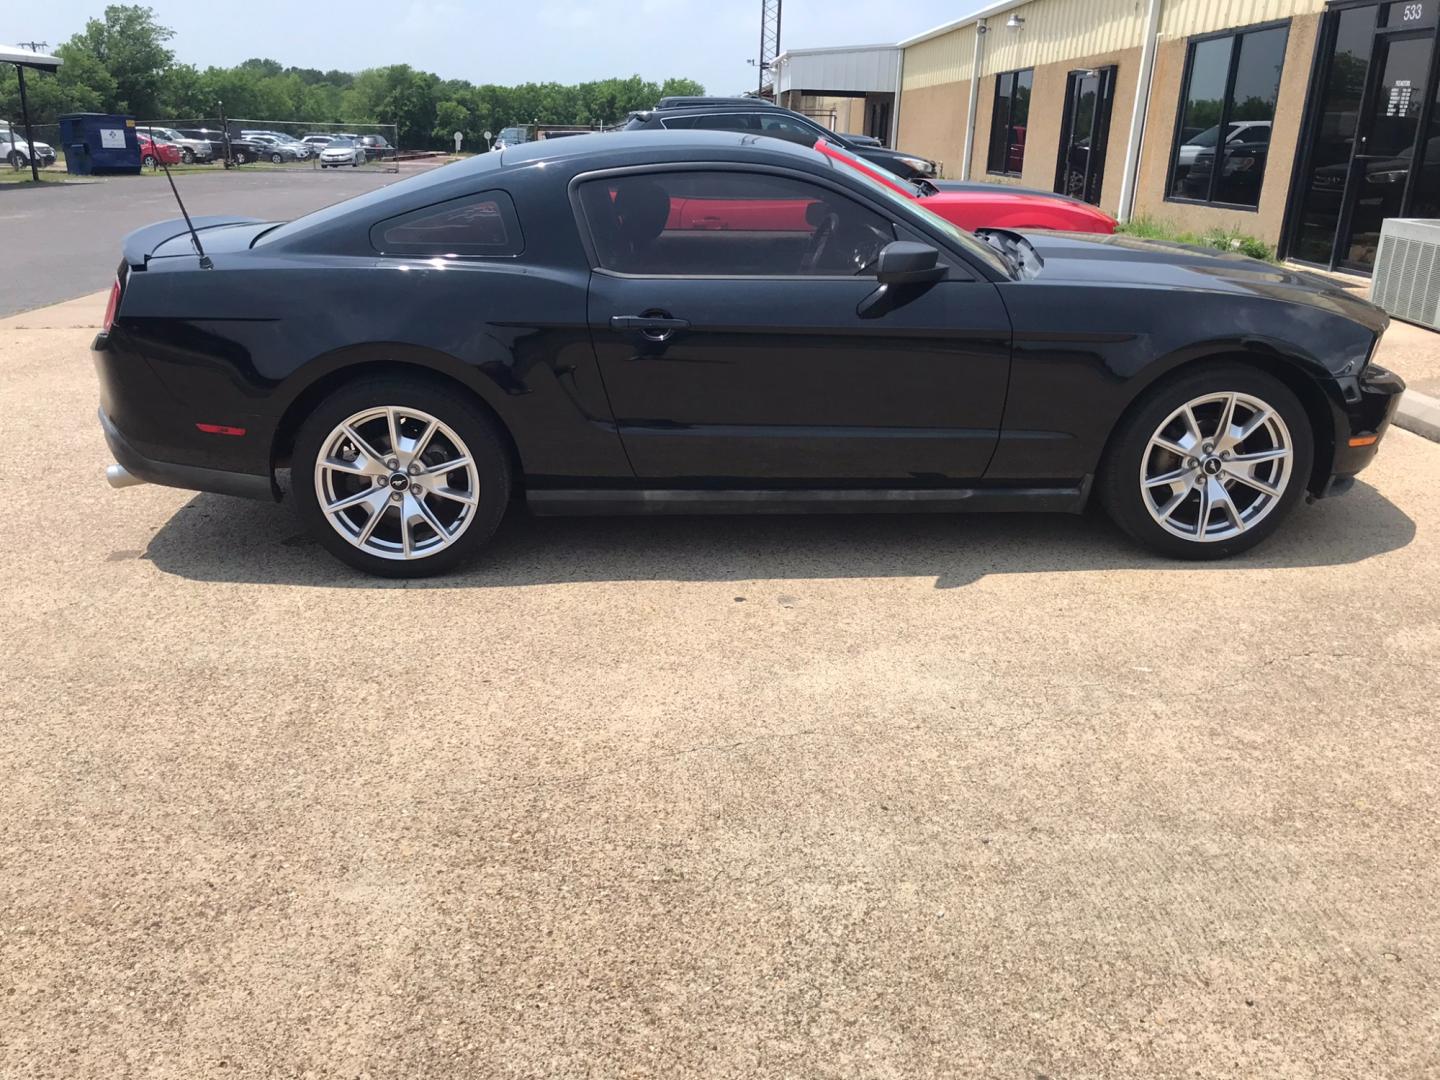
205 263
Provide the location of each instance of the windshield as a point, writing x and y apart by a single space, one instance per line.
339 144
906 206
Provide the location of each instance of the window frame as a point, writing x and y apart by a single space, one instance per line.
961 268
1235 33
1014 77
499 196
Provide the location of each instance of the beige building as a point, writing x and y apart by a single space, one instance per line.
1302 122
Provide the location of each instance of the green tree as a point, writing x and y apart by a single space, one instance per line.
130 45
450 117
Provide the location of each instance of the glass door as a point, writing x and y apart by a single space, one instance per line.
1084 131
1385 144
1366 131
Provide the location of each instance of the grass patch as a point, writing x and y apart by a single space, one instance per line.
22 176
1232 242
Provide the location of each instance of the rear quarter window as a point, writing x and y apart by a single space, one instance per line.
483 224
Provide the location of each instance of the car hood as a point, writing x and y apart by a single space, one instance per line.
1018 205
1112 260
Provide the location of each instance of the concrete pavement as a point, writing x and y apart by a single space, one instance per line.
879 797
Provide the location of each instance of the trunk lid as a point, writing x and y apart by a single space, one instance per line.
166 239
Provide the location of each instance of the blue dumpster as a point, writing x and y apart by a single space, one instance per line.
99 143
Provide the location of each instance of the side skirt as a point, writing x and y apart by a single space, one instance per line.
559 501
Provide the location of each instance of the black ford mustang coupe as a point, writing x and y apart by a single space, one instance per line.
713 322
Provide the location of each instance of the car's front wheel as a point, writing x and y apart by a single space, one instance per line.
1208 464
187 156
399 477
277 158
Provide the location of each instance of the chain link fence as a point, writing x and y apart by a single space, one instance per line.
14 147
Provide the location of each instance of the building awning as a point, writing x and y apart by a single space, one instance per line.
14 54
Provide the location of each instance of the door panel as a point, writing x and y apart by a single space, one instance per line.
780 381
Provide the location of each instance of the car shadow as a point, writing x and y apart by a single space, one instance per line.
220 539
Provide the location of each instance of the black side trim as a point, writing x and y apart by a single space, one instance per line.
190 477
555 501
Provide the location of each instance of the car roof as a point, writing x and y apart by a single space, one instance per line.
685 102
681 145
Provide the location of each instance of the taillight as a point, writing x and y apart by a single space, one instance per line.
112 306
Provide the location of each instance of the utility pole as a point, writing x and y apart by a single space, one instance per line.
33 46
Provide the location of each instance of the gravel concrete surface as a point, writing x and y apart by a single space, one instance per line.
865 797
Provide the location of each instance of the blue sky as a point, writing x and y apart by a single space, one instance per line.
504 41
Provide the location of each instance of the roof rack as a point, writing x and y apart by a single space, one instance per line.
683 102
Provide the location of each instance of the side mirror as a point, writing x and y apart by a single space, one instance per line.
903 262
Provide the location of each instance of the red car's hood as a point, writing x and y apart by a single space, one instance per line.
1002 208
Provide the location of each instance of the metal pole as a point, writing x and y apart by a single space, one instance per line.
970 110
1136 141
25 112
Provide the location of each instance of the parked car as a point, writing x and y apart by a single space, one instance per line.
583 350
317 141
376 147
271 149
191 149
973 205
341 152
765 118
152 152
215 140
16 151
511 136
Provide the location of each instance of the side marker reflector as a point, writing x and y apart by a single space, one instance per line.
220 429
1364 440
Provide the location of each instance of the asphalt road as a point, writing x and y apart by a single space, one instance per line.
866 797
63 240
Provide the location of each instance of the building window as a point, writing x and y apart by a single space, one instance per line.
1008 121
1227 108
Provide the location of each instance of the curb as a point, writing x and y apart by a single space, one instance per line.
1419 413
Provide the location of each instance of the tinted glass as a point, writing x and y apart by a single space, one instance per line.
1389 132
1256 90
729 223
790 129
715 122
1427 183
1019 120
1204 101
1000 123
481 224
1334 138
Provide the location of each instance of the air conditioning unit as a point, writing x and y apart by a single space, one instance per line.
1406 280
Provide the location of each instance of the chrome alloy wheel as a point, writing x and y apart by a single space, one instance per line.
1216 467
396 482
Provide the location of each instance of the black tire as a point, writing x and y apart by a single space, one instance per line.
470 423
18 160
187 156
148 161
240 158
277 158
1118 486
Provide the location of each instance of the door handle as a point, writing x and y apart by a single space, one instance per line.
654 327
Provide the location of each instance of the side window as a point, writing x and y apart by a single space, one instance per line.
789 129
698 223
483 224
713 122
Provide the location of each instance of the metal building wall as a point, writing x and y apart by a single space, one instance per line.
940 60
1182 18
1060 30
862 70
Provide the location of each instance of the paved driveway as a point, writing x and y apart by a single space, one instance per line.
870 797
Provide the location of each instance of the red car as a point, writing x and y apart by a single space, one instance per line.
987 206
152 153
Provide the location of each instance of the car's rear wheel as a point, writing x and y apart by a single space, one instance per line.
1208 464
400 478
148 161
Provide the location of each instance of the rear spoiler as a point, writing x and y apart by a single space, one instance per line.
138 246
